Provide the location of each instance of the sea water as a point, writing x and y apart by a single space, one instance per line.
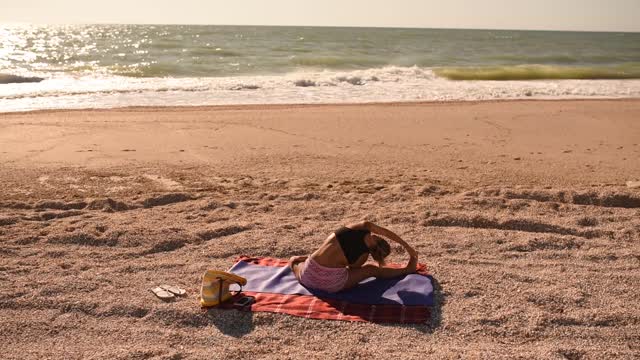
103 66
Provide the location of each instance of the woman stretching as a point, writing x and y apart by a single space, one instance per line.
338 263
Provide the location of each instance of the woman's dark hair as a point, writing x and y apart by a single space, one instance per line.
380 250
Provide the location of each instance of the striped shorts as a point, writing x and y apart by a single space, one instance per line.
316 276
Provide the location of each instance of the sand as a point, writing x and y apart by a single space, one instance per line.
521 210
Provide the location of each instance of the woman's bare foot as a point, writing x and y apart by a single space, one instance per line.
294 260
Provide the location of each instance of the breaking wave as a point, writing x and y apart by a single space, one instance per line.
338 62
391 83
541 72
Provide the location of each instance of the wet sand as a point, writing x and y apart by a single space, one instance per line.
520 209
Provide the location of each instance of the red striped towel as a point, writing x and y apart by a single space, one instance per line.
313 307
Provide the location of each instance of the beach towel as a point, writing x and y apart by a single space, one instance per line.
404 299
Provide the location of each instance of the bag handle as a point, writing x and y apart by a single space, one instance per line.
221 282
235 278
239 291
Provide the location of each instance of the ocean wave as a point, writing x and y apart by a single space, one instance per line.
541 72
288 49
59 93
531 59
155 70
305 83
10 79
391 83
387 74
353 80
244 87
563 59
337 62
211 51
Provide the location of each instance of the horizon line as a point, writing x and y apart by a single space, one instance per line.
321 26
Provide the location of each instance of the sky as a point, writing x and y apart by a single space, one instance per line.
579 15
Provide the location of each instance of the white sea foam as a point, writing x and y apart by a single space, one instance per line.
388 84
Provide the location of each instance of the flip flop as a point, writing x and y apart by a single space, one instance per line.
162 293
174 290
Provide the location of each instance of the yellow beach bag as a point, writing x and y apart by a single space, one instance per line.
215 287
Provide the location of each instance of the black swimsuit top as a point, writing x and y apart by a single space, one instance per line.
352 243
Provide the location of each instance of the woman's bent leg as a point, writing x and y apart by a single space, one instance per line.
294 264
358 274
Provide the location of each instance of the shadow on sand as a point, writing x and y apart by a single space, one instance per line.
231 322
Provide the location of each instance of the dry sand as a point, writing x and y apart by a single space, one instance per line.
520 209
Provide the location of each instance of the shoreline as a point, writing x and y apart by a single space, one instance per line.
304 105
